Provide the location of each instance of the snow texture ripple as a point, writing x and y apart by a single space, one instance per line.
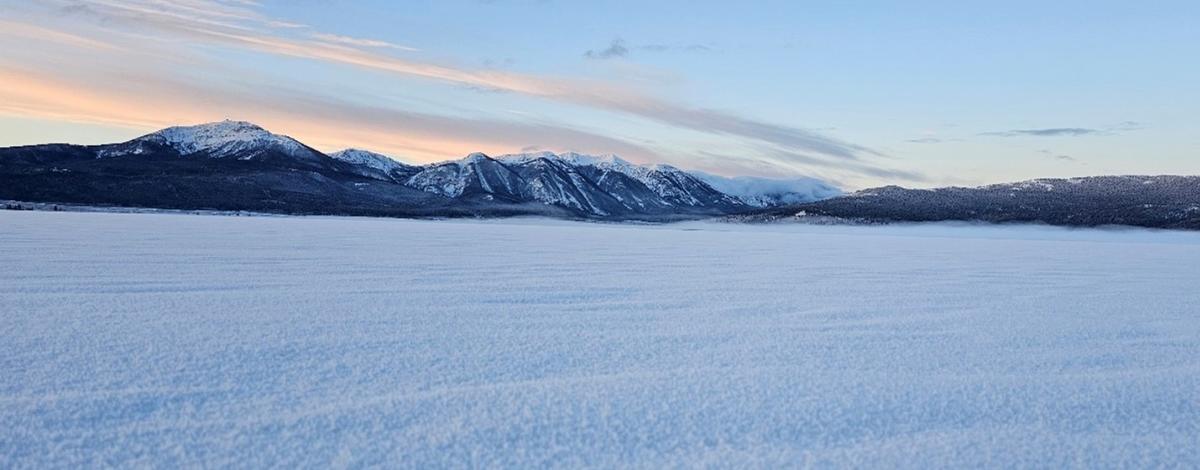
150 340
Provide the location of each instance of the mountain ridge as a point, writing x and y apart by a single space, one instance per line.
1155 201
237 165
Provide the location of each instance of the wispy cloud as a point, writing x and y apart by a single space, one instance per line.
317 119
286 24
240 25
1048 132
37 33
669 48
352 41
616 48
834 170
1057 156
1123 126
619 49
590 94
1128 126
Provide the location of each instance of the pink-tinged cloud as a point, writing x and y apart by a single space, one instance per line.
353 41
252 33
321 121
37 33
238 25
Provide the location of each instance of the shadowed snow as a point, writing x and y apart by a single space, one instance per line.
177 340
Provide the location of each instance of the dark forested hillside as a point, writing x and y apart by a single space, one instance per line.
1143 201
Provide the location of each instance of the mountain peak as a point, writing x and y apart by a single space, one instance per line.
354 152
233 124
223 139
578 159
585 159
369 159
225 127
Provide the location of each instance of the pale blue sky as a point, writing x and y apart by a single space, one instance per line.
860 93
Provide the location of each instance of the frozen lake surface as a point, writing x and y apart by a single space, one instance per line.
180 340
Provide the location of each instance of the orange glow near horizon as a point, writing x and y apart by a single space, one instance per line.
29 95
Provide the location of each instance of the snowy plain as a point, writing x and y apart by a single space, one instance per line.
172 340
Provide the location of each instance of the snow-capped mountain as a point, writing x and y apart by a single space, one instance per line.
240 165
370 159
570 158
606 174
679 188
536 179
676 188
477 175
589 185
376 164
558 182
668 187
224 139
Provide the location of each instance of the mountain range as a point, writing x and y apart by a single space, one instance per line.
238 166
234 165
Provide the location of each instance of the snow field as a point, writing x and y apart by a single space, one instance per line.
176 340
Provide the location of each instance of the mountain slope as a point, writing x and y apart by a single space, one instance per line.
477 177
220 140
557 182
376 165
1145 201
656 188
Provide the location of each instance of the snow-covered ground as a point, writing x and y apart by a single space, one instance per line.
176 340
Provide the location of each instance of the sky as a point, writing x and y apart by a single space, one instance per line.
859 93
